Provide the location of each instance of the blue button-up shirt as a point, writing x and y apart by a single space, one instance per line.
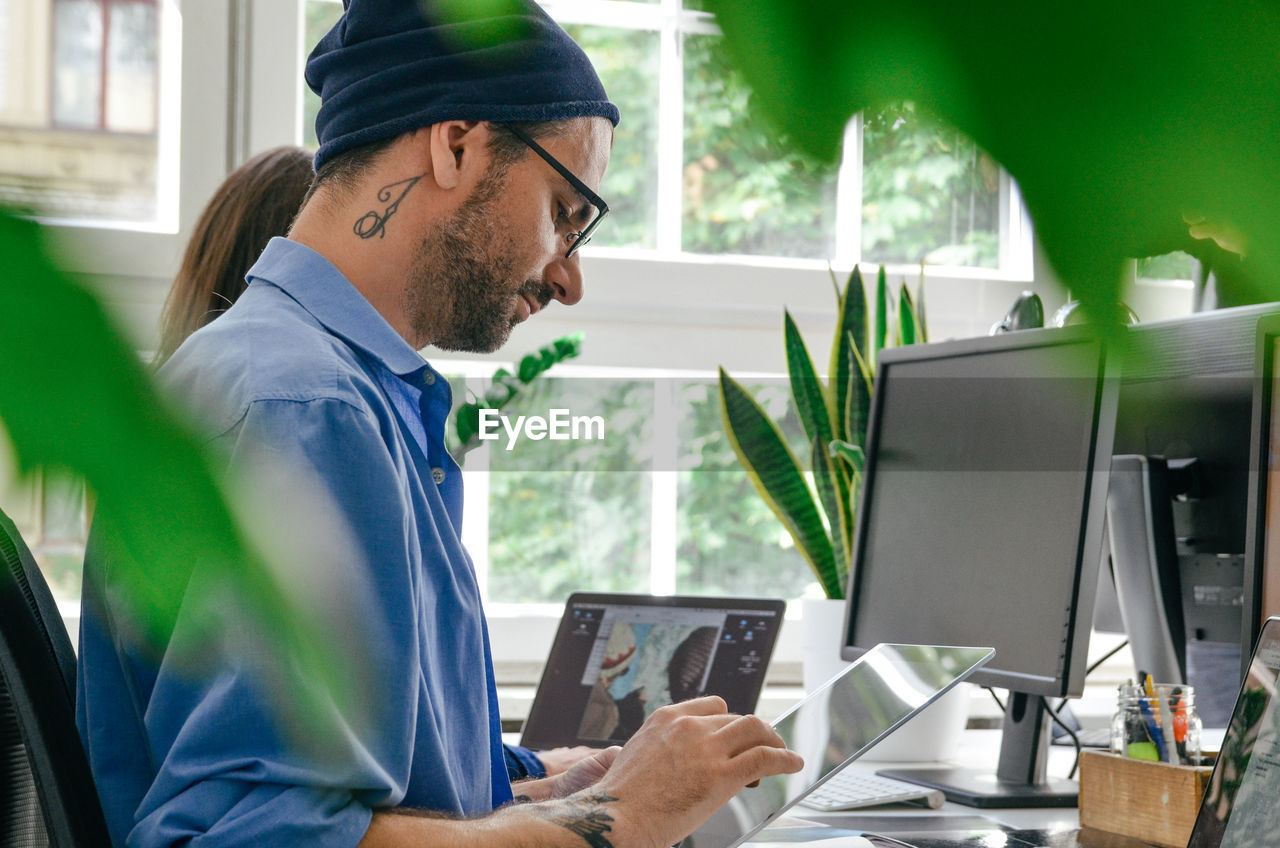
304 365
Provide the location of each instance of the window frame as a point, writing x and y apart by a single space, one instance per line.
239 62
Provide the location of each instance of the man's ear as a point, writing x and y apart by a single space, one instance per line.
452 146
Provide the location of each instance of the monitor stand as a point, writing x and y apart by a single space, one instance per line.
1020 779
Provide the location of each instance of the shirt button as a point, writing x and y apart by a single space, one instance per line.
437 474
430 380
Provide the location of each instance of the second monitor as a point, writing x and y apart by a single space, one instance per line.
981 523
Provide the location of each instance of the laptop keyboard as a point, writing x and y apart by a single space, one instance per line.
850 790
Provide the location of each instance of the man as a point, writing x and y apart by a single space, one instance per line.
455 181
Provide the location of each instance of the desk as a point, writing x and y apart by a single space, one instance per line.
978 749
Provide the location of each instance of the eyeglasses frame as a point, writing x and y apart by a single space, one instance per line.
584 235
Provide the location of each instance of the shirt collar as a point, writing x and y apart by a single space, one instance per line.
322 290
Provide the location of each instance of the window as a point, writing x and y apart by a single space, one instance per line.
104 65
693 173
79 115
649 499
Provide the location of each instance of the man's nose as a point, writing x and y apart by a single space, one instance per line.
564 276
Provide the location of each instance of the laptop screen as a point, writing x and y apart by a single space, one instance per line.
1239 807
617 658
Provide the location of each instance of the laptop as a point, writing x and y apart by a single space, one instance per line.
1239 806
839 722
617 658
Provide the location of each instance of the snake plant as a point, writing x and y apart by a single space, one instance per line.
816 497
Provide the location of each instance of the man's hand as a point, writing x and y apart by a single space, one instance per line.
559 760
683 764
584 773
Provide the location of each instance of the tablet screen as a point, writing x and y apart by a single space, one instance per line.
835 724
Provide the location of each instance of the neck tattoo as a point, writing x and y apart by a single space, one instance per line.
371 223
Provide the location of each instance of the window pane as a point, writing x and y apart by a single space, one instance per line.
627 61
729 541
321 15
77 63
572 515
745 189
1170 266
60 154
928 194
131 68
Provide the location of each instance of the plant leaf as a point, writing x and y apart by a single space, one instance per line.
906 317
506 386
806 388
882 316
851 329
776 475
74 396
849 453
835 497
857 399
922 324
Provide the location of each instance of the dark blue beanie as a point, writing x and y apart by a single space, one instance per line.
392 66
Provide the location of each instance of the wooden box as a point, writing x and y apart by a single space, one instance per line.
1154 802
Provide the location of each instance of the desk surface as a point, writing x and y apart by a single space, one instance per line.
978 749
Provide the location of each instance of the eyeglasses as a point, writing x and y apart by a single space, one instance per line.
581 237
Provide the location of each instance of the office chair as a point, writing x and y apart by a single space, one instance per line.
47 795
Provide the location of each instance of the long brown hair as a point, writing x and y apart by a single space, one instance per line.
257 201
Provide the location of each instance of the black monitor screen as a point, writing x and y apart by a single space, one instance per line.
981 523
979 501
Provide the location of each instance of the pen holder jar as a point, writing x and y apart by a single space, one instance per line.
1159 724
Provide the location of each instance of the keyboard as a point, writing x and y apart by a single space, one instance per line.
850 790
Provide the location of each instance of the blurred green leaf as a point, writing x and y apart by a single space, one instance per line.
1115 120
74 396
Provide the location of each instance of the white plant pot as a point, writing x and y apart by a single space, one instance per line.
821 637
932 735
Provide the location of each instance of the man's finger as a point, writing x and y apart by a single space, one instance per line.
706 705
746 732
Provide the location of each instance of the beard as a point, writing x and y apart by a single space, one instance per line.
463 296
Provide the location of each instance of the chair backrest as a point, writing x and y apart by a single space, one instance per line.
47 796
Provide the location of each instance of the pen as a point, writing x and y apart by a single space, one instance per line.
1153 729
1166 725
1180 723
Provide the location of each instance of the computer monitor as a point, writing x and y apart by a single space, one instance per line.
1187 389
980 522
1262 540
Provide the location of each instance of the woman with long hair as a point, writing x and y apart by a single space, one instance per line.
257 201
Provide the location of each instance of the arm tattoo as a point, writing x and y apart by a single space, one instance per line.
588 817
372 224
